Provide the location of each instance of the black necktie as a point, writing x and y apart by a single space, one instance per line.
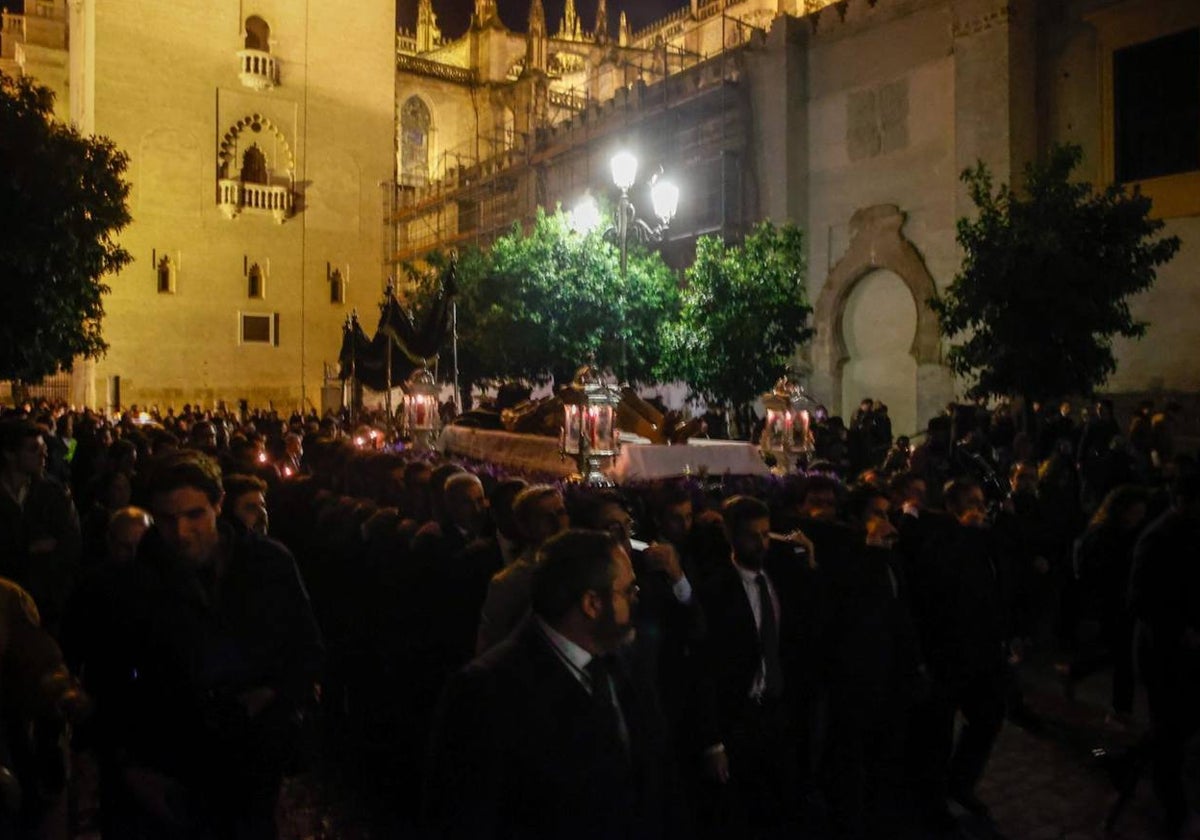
768 635
599 669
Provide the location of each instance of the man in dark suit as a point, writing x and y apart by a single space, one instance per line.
459 583
464 517
752 672
961 588
547 734
870 669
209 654
1164 595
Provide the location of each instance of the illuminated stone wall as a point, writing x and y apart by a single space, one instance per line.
860 115
238 158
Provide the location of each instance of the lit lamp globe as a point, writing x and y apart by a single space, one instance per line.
585 216
786 434
589 425
421 408
665 197
624 170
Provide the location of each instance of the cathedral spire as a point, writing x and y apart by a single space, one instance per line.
569 29
601 34
535 38
428 34
485 12
623 31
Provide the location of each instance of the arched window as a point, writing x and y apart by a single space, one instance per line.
165 271
337 287
255 288
254 166
415 122
258 34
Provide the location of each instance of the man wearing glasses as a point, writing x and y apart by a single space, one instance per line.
549 734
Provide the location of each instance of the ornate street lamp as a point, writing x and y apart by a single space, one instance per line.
589 425
787 433
664 198
421 408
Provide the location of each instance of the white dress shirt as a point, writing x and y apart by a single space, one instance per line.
750 585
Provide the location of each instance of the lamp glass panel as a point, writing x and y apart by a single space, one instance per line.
665 197
624 169
571 431
585 217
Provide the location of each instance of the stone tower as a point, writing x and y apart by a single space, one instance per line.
258 144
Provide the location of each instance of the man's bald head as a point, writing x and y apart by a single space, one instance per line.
126 527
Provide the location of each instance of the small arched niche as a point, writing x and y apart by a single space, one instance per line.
258 34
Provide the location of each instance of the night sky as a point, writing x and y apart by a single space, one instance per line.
454 15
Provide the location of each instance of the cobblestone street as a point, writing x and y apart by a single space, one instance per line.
1048 785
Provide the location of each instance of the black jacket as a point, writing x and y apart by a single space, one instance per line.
520 750
177 659
961 588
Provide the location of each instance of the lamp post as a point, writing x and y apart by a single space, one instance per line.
664 197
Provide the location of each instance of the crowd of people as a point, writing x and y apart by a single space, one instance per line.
240 597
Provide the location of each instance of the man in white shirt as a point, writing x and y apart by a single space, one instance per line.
745 726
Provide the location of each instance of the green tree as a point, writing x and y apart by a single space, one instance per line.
744 311
62 201
540 303
1046 279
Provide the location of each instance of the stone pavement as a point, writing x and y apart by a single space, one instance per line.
1043 782
1049 785
1055 781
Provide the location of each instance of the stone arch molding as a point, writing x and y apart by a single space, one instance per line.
876 242
227 154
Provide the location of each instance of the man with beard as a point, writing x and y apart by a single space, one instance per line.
549 734
747 660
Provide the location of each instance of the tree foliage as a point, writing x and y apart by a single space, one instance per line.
744 311
62 201
1046 279
540 303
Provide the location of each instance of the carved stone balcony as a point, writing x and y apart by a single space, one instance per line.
236 196
258 69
